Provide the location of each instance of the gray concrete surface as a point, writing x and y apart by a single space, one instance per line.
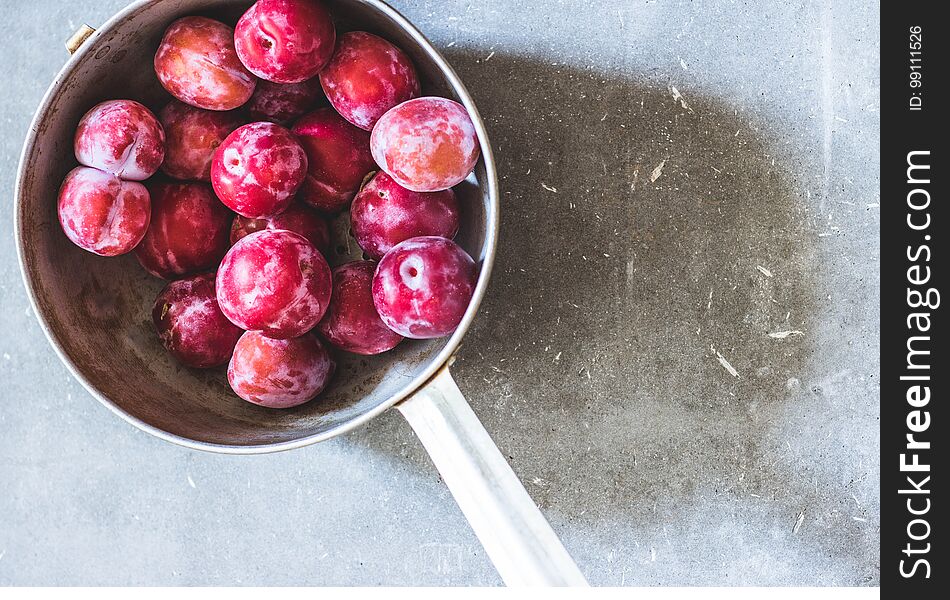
681 180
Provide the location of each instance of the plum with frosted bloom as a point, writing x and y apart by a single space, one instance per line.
426 144
423 286
285 41
384 214
191 326
101 213
338 159
257 169
191 137
366 77
196 62
121 137
283 102
188 230
279 373
276 282
352 322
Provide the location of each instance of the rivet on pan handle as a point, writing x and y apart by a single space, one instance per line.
76 39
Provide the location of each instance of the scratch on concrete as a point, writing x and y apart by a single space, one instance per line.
725 363
781 335
678 97
798 523
657 171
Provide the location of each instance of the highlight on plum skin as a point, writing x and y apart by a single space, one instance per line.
338 158
352 323
276 282
285 41
101 213
121 137
279 373
384 214
283 102
366 77
188 230
196 62
426 144
257 169
191 137
423 287
191 326
298 218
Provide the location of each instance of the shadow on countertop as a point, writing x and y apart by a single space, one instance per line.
651 242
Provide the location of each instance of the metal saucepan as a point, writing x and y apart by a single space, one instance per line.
95 311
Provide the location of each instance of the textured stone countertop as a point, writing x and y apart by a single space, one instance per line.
680 180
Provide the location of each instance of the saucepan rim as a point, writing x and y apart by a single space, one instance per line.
434 364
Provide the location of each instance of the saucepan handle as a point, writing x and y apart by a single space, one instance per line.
514 533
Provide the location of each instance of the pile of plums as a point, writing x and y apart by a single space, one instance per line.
253 161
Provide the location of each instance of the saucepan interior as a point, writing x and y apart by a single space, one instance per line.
96 311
